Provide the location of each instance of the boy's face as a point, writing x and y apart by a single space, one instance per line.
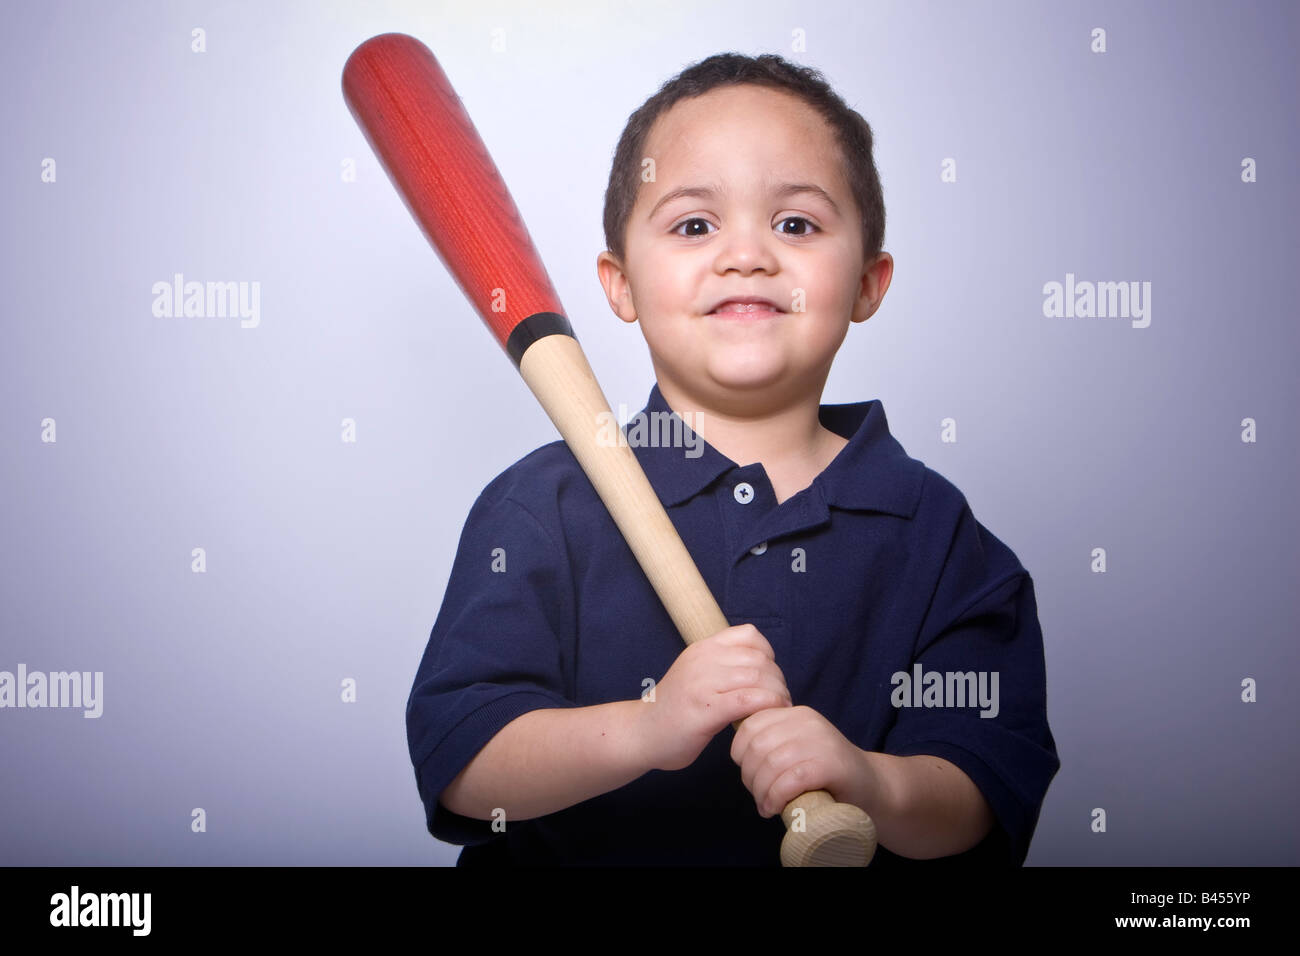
685 254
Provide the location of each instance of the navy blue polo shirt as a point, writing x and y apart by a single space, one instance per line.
878 569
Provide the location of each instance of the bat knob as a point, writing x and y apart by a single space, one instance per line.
821 832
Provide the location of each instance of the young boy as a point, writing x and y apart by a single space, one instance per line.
557 716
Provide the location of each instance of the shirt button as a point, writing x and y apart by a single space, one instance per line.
744 492
758 548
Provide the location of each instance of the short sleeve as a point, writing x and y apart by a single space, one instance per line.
983 621
496 651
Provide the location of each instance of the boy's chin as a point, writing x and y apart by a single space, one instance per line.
723 380
750 376
750 392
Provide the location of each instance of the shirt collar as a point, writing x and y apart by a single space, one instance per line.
872 472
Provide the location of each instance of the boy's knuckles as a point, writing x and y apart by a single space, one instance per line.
749 700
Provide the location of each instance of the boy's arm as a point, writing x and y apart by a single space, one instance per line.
923 806
501 648
949 770
491 719
982 624
549 759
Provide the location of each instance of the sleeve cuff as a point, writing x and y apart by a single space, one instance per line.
454 752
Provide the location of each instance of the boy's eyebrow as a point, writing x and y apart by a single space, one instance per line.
708 192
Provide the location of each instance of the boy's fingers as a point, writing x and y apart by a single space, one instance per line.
764 678
746 635
750 700
744 655
752 725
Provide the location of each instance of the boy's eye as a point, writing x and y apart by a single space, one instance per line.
811 228
686 222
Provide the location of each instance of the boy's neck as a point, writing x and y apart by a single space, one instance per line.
788 438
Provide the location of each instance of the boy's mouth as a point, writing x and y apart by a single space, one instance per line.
752 307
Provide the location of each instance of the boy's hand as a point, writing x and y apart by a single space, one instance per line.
712 683
786 751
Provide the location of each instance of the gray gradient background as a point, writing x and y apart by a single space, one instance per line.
328 560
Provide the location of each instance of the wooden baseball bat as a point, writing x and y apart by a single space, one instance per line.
418 127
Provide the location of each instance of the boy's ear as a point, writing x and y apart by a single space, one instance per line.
875 282
617 290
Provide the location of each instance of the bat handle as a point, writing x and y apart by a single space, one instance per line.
819 831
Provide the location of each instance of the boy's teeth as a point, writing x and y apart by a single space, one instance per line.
744 307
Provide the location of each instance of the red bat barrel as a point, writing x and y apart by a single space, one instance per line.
435 157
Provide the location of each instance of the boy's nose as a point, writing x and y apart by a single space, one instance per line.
746 251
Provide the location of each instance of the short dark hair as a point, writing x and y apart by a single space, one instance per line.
851 131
